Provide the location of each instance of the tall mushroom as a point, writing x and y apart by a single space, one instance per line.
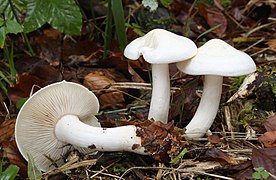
61 114
214 59
159 48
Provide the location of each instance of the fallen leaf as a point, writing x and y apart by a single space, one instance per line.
214 17
7 130
100 85
15 157
268 139
81 51
270 123
214 139
265 158
160 140
271 44
216 154
24 87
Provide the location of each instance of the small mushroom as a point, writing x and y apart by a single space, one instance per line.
61 114
214 59
159 48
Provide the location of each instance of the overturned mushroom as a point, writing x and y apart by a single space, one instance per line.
214 59
159 48
61 114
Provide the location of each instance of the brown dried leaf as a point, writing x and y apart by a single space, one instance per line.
24 87
97 81
214 17
160 140
214 139
135 75
38 67
7 130
15 157
48 45
268 139
272 44
270 123
265 158
218 155
81 51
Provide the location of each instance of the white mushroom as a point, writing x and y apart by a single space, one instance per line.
159 48
214 59
61 114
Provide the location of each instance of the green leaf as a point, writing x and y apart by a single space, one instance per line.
64 15
33 172
36 15
151 4
6 10
136 28
2 36
3 87
10 173
1 168
178 157
108 30
3 76
118 14
13 27
21 102
2 21
166 3
256 175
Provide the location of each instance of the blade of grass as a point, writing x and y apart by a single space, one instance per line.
208 31
10 173
3 87
2 75
24 35
108 30
9 56
33 172
118 14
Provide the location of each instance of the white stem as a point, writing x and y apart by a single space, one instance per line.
71 130
160 99
208 107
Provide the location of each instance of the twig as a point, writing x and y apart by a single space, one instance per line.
101 171
135 85
177 170
67 167
259 27
249 47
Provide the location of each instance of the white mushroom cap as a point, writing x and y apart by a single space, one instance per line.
216 57
161 47
35 124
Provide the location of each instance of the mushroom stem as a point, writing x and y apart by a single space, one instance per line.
71 130
208 107
160 99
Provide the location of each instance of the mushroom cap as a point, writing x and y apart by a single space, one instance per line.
216 57
161 47
35 123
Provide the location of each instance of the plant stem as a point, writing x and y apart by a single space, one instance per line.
26 39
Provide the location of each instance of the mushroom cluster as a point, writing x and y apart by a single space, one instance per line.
214 59
62 114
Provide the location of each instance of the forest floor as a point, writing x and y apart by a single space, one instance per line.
241 143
